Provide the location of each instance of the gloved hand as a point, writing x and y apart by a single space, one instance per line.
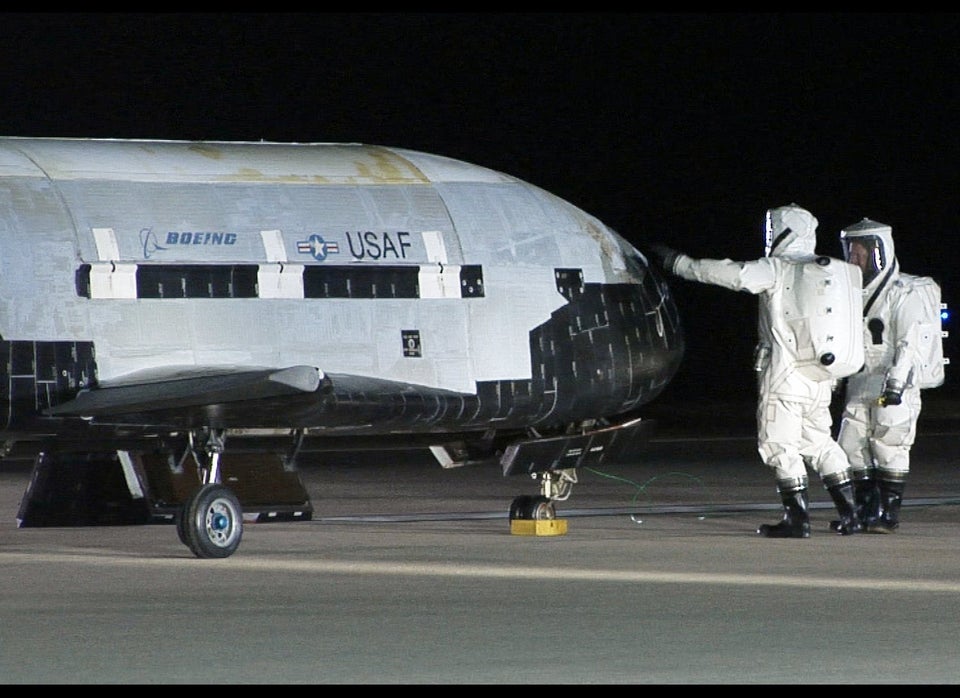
665 255
892 393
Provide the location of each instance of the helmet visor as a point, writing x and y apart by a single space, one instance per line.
866 251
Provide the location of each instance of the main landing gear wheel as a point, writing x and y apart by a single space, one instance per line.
536 508
179 518
211 522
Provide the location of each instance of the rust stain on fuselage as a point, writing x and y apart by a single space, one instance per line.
364 164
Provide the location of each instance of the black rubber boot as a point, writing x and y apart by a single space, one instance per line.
843 498
891 497
796 520
867 496
866 500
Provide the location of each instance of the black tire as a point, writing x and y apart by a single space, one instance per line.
541 509
178 519
520 507
537 508
212 522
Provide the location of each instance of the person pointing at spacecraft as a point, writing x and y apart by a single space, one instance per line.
793 412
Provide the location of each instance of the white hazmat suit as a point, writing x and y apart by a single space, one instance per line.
793 415
882 402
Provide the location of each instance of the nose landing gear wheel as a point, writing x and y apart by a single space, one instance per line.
537 508
211 522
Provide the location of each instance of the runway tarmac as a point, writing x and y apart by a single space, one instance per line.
409 574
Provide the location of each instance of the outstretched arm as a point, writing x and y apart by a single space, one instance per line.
754 276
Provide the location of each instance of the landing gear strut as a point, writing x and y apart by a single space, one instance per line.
210 522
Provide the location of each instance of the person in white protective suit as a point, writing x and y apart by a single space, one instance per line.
793 414
882 402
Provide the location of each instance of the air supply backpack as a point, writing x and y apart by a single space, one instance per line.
931 330
823 307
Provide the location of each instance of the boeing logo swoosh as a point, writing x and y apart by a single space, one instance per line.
148 239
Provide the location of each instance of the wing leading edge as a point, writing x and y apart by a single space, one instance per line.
194 387
238 397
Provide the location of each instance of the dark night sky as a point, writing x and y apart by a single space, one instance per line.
681 127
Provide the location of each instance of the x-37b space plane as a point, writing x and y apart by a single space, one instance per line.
170 310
